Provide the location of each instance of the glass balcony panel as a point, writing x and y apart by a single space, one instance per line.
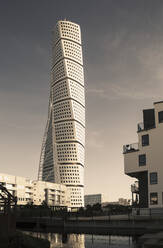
130 148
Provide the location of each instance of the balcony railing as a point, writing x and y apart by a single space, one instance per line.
141 126
134 188
130 148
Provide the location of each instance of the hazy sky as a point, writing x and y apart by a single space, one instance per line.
123 58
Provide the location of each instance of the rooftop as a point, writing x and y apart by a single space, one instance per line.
158 102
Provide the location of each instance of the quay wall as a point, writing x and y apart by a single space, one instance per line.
132 226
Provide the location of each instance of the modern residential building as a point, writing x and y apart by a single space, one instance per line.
28 191
53 194
92 199
63 148
143 160
123 201
19 187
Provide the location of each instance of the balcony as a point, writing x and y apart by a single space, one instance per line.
130 148
141 127
135 188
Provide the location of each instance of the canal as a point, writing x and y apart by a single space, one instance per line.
86 240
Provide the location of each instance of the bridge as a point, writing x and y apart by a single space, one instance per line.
114 225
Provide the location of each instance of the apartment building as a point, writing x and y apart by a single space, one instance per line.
143 160
20 187
92 199
53 194
28 191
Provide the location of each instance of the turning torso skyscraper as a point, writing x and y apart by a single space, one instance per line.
62 154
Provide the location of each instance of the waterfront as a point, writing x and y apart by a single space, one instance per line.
85 240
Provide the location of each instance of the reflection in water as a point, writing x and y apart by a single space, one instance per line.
100 241
62 240
85 241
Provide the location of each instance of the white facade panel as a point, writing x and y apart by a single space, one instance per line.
67 108
151 149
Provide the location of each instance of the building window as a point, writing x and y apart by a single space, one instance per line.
153 178
160 116
142 159
153 198
145 140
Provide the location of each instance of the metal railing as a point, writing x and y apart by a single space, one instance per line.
130 148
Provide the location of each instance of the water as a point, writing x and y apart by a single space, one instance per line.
85 240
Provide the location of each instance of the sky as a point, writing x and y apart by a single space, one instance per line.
123 65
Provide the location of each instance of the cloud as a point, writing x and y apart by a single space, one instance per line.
94 139
131 67
116 91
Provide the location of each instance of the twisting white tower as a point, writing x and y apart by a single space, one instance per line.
62 154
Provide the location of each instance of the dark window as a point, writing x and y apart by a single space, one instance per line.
142 159
153 178
160 116
149 118
153 198
145 140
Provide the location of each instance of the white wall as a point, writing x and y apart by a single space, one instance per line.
154 157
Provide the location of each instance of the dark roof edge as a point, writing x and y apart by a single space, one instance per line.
158 102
